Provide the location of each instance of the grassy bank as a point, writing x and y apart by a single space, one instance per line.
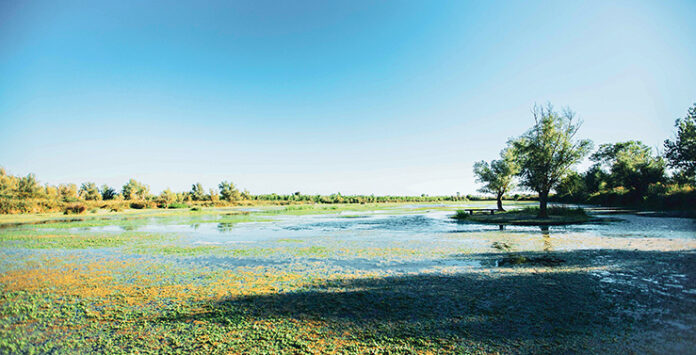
527 217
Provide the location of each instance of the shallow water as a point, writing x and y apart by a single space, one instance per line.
382 226
411 238
415 258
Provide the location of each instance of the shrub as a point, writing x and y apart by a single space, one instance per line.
138 205
177 205
74 208
556 211
461 214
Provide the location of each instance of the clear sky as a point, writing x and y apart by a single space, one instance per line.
384 97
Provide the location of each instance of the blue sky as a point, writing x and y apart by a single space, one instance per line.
389 97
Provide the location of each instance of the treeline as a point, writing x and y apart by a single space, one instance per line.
623 174
629 174
632 174
24 194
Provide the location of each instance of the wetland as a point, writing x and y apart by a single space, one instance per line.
400 278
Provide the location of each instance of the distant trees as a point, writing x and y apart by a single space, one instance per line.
134 190
28 186
67 192
197 192
167 196
547 151
497 177
229 192
107 193
681 152
89 191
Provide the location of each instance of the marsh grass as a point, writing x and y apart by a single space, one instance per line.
528 216
37 240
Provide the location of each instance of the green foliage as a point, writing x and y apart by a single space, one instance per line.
497 177
572 187
68 192
229 192
631 165
681 152
107 192
461 214
8 183
177 205
556 211
138 205
89 191
134 190
547 152
28 187
197 192
167 196
527 216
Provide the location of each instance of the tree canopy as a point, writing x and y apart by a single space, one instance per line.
547 152
134 190
681 152
631 165
497 177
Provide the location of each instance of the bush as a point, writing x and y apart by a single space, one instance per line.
177 205
74 208
555 211
138 205
461 214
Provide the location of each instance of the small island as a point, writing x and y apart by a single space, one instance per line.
528 216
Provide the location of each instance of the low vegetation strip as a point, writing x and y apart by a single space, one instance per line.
528 217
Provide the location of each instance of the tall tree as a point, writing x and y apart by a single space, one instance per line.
497 176
681 152
548 151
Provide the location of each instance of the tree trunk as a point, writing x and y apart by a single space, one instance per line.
500 202
543 201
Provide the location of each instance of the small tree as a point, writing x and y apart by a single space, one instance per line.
89 191
681 152
197 192
28 186
107 192
214 197
134 190
548 151
167 196
497 177
229 192
68 192
8 184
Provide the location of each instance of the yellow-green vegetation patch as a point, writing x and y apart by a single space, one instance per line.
20 239
289 240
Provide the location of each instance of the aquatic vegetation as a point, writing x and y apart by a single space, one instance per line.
392 281
75 241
